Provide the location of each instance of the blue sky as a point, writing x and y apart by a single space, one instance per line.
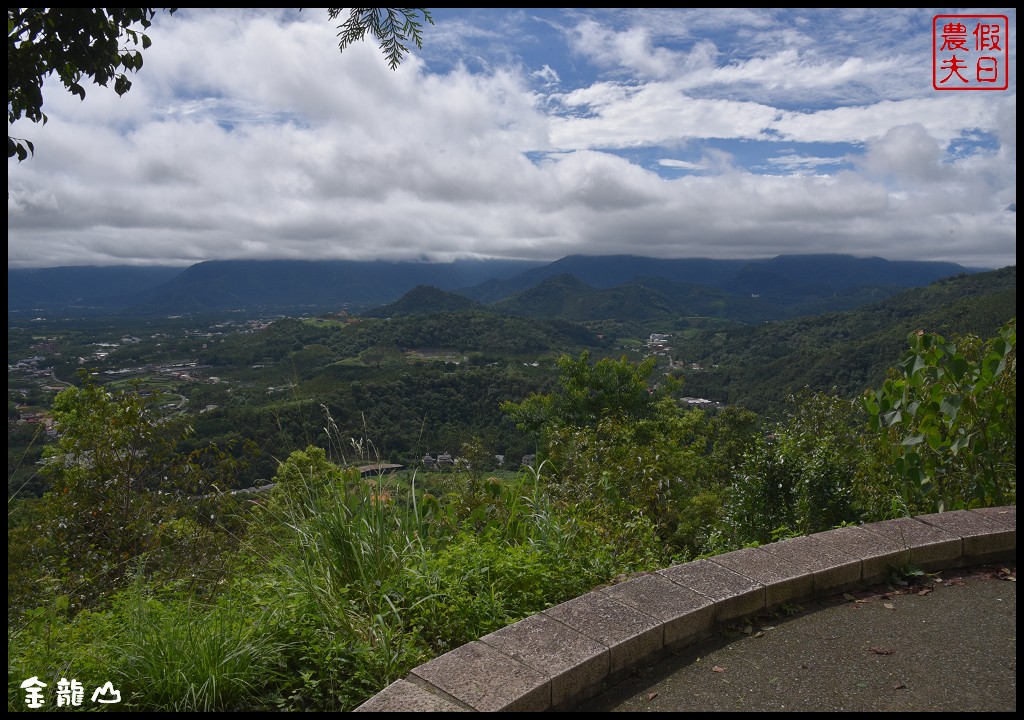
526 133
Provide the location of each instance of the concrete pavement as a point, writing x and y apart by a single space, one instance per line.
946 643
952 641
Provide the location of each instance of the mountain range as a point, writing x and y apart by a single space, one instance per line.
577 287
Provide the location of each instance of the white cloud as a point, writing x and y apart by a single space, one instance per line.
546 75
802 163
653 114
907 154
942 117
630 50
681 164
249 135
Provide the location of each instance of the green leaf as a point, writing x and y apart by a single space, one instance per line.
951 406
870 404
912 440
958 367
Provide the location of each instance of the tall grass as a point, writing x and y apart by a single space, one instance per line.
345 535
186 657
160 655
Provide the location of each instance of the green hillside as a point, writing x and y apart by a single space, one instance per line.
757 366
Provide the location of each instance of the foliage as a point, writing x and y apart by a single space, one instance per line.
590 392
183 657
627 448
47 642
800 478
758 366
121 491
348 536
166 654
74 43
374 578
393 27
114 455
340 584
949 414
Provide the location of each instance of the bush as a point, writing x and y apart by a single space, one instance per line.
947 416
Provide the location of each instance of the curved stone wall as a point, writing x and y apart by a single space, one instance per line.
567 653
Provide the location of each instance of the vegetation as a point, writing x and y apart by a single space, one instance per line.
74 43
142 561
392 27
758 366
949 416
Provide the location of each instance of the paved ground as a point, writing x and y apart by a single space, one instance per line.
947 644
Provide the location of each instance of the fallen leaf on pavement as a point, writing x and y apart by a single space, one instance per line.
849 597
717 668
924 591
882 651
899 686
889 606
651 696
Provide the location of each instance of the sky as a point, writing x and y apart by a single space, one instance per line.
527 134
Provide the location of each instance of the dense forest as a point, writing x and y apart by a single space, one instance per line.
188 518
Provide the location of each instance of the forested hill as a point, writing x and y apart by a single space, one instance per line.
658 304
424 300
566 298
757 366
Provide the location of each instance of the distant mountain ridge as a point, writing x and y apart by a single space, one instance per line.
290 286
251 285
108 287
792 272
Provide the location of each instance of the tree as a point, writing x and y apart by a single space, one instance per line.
105 44
590 392
948 416
800 478
113 454
122 490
